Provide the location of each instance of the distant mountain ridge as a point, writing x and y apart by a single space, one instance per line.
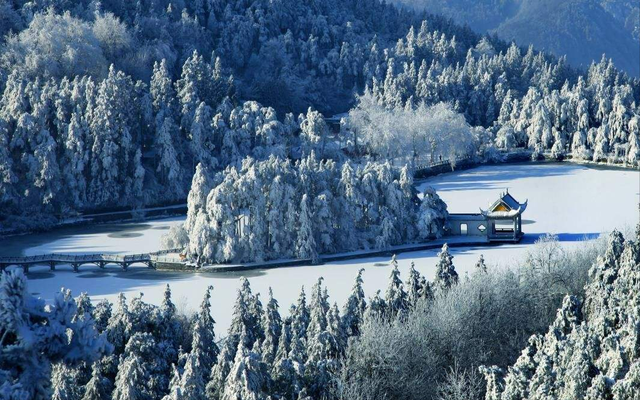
581 29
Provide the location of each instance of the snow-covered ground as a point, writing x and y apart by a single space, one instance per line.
566 199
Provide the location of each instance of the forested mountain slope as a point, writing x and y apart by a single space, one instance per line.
581 29
287 54
119 102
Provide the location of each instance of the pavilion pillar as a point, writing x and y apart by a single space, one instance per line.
519 224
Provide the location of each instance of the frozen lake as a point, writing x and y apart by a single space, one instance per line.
569 200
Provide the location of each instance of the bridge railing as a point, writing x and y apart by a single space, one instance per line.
169 260
85 258
167 251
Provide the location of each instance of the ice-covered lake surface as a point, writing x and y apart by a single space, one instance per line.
569 200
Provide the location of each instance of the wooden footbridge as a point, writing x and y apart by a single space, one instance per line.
76 261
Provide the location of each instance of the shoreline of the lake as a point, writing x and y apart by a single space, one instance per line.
154 213
560 196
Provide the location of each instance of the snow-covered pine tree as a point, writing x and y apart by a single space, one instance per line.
322 367
313 132
192 383
112 141
395 298
446 275
272 327
120 325
633 151
84 308
76 157
306 247
300 316
167 326
203 345
336 329
64 382
318 307
102 314
168 164
131 381
601 144
287 381
414 286
215 387
151 378
248 377
33 336
432 216
376 308
426 289
354 308
98 387
201 133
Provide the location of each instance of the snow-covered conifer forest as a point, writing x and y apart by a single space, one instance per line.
114 103
295 130
418 339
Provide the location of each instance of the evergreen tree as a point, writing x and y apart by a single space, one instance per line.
395 297
76 157
84 306
64 383
272 327
102 315
166 317
131 381
414 286
168 163
203 346
287 381
98 387
446 275
202 138
247 379
377 307
34 337
216 385
112 145
313 132
354 309
192 383
305 243
300 316
432 215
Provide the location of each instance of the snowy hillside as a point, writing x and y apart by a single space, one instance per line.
581 29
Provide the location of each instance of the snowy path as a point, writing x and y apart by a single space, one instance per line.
567 199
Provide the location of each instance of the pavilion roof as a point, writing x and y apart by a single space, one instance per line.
505 206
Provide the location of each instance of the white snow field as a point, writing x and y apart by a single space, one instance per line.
569 200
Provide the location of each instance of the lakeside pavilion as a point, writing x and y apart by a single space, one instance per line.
500 222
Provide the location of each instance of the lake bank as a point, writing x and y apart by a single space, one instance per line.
174 210
566 199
